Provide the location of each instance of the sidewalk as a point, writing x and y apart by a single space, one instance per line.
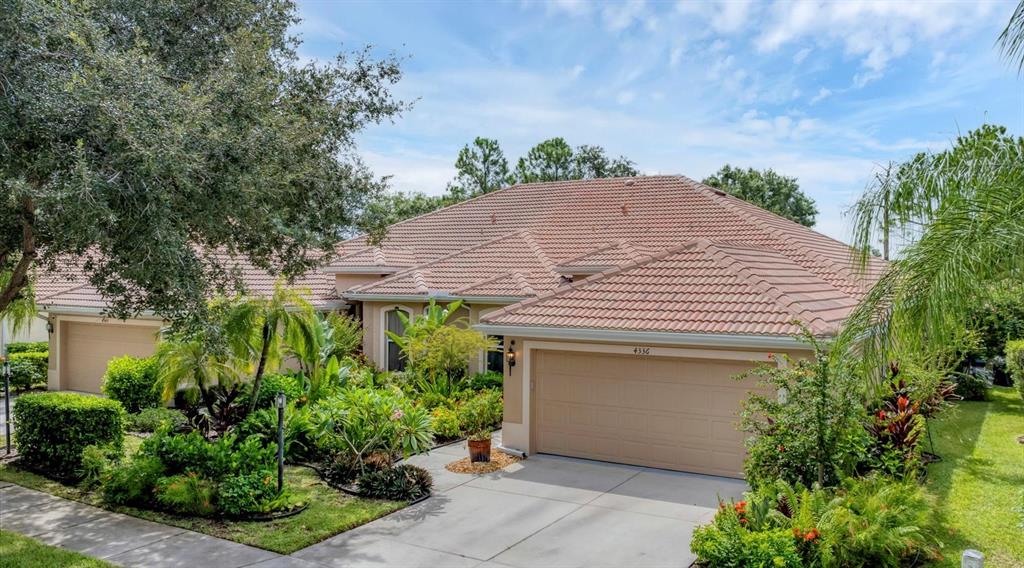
122 539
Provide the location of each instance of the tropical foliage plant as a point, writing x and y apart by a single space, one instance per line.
803 434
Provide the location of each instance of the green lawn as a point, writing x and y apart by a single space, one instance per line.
24 552
329 512
979 483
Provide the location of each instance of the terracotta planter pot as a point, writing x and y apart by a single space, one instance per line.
479 451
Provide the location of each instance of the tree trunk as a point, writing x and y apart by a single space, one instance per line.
19 275
260 367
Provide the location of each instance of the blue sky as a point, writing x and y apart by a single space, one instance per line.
823 92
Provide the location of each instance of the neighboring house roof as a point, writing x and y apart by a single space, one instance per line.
68 287
698 287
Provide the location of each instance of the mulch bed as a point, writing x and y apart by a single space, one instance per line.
499 460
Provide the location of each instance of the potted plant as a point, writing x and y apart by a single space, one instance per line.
478 416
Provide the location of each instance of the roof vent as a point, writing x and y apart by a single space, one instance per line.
625 209
630 182
494 218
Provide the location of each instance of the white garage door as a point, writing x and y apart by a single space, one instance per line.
87 347
661 412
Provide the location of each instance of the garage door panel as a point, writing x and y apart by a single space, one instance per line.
88 347
662 412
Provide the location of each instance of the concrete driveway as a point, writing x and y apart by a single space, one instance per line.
544 511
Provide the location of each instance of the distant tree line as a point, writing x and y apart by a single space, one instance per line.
482 167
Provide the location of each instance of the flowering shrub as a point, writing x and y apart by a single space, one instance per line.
360 421
804 436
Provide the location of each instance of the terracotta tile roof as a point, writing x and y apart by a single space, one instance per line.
69 287
651 213
608 256
512 265
698 287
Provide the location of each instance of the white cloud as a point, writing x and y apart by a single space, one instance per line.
625 97
731 16
873 31
576 71
823 94
573 8
799 57
675 56
619 16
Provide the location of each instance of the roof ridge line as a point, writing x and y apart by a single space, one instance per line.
524 284
780 298
410 269
726 200
594 277
544 259
64 291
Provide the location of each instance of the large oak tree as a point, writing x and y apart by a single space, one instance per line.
139 138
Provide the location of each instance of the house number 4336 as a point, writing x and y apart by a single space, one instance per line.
641 350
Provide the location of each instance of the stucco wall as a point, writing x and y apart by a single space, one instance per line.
345 282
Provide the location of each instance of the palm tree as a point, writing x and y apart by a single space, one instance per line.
192 365
968 205
254 327
20 311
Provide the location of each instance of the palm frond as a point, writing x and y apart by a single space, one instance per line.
1011 41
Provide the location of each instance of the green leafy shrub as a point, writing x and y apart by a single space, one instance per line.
150 419
972 384
191 475
55 427
133 483
291 385
432 400
28 369
187 494
400 483
445 422
28 347
299 443
803 437
487 380
96 462
1015 363
481 415
132 381
865 522
248 494
361 421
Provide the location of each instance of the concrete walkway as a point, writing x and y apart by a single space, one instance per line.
544 511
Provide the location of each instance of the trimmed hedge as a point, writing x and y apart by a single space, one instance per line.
28 368
27 347
53 428
1015 363
132 382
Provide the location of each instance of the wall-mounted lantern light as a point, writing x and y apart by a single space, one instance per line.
511 355
49 326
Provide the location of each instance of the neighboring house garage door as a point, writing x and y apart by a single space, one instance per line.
87 347
664 412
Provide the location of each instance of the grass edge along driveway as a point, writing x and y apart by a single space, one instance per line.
330 511
978 486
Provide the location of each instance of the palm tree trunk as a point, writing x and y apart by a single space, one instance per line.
258 378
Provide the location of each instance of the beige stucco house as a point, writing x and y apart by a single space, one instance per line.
624 307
